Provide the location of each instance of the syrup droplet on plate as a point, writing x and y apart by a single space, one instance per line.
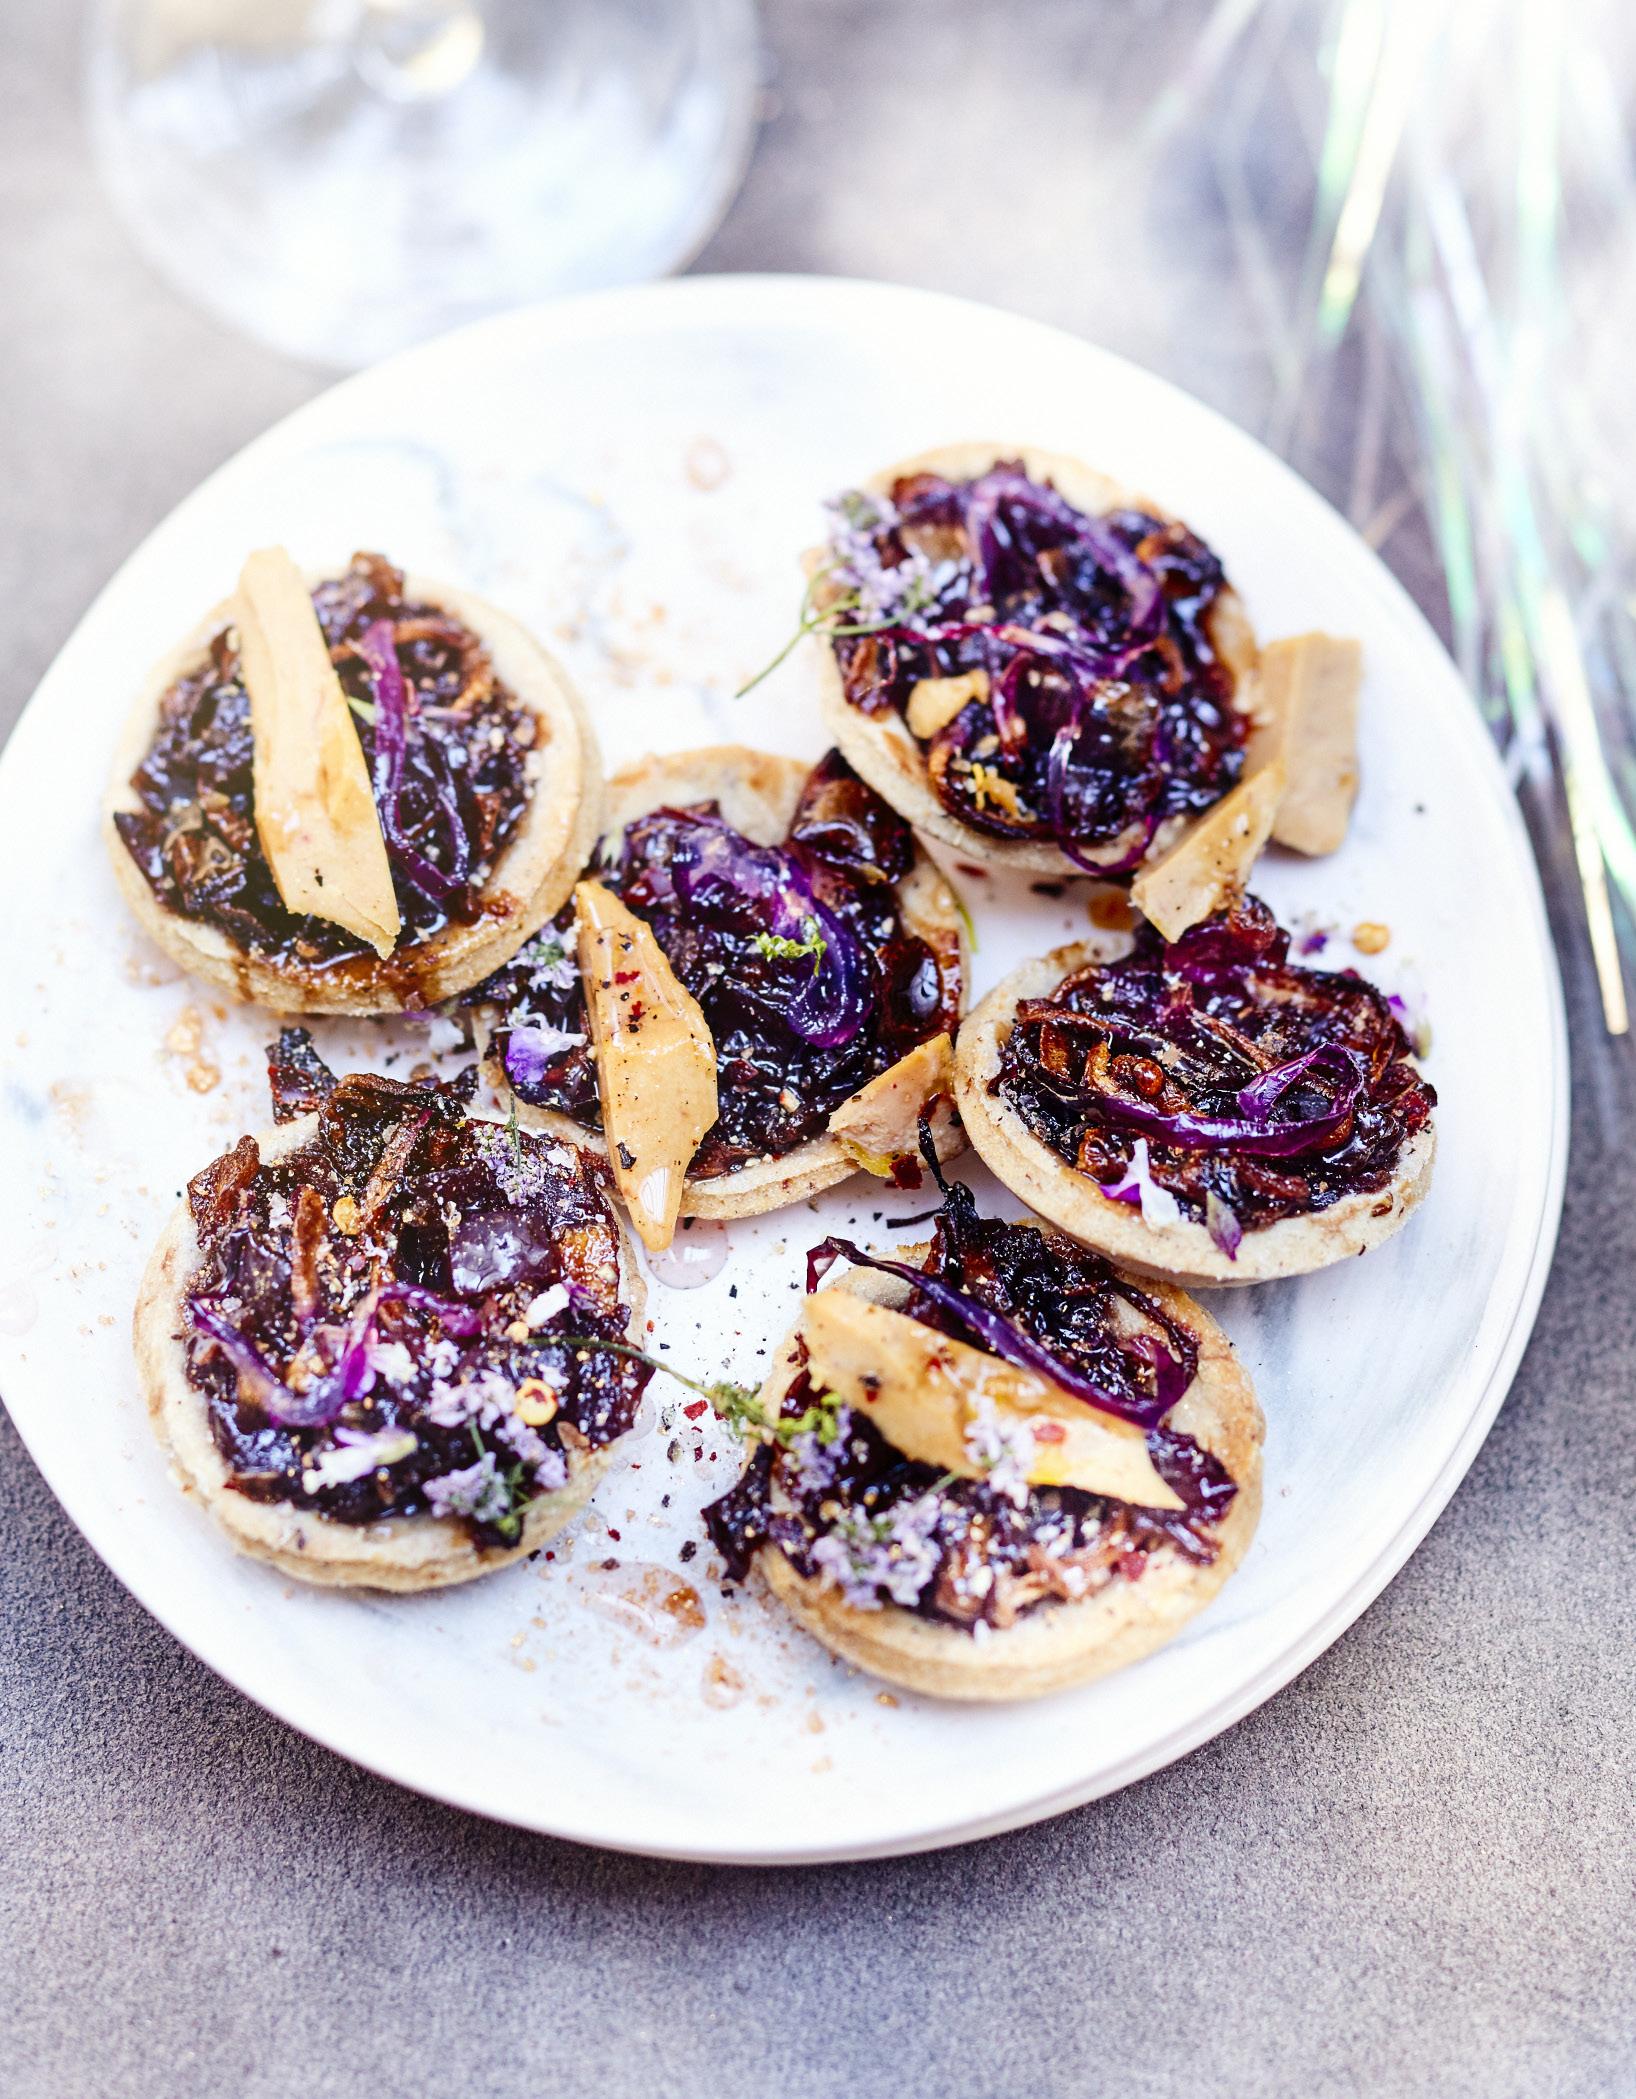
650 1601
696 1255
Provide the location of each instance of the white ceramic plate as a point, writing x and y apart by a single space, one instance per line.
634 473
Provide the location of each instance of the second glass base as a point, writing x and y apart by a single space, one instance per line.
342 178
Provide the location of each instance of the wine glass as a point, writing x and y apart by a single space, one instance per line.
343 177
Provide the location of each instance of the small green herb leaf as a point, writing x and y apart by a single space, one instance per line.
777 948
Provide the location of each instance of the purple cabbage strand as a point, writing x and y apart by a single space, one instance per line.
1004 1338
1253 1130
718 871
378 647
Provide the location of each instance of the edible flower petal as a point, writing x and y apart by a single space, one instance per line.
355 1453
531 1048
1159 1207
1221 1221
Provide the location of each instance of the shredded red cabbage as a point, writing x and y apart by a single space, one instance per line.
1263 1089
434 788
1065 717
463 1321
1080 740
1003 1337
714 871
1104 689
351 1377
264 1384
1011 520
1254 1130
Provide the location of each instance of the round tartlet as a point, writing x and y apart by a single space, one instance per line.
410 1551
757 793
1182 1249
893 761
1057 1643
533 871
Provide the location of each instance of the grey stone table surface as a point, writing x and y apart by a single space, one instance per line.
1411 1873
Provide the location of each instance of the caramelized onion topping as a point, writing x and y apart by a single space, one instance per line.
369 1311
1103 706
985 1552
1261 1089
447 745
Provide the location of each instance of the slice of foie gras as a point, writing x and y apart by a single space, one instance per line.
880 1123
655 1061
934 702
1314 681
315 813
923 1390
1211 861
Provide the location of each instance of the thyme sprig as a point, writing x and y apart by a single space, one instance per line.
812 618
735 1405
830 618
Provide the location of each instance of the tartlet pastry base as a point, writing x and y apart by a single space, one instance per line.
1183 1252
529 883
1056 1644
757 794
402 1553
879 746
